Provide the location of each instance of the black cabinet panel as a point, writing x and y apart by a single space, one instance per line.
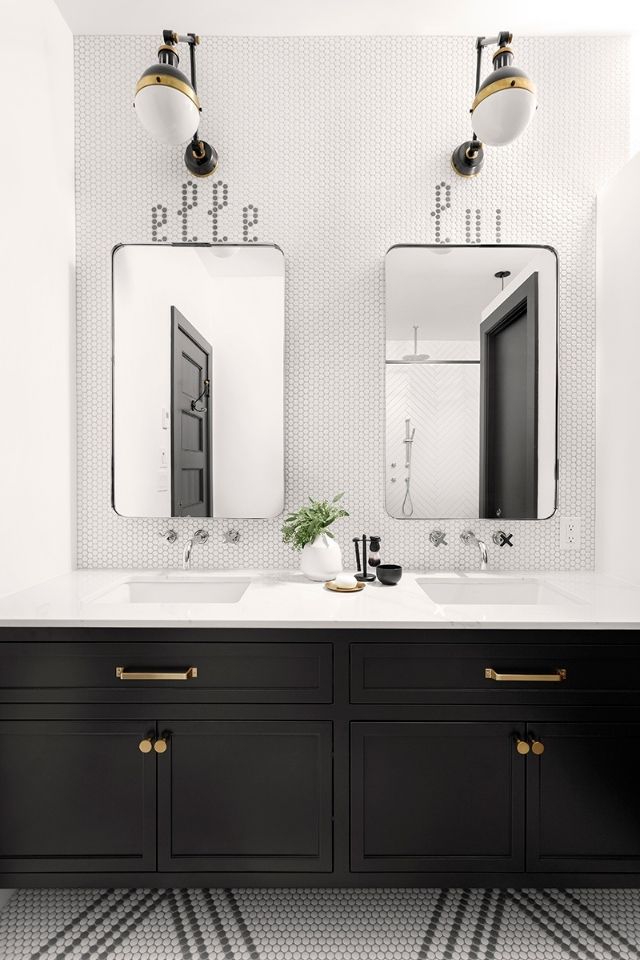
226 672
76 795
583 795
455 672
436 796
246 796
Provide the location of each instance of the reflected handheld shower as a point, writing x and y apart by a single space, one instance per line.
409 434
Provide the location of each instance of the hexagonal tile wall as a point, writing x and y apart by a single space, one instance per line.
335 148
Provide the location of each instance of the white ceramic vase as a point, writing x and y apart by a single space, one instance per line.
322 559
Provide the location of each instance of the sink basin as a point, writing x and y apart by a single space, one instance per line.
203 590
494 590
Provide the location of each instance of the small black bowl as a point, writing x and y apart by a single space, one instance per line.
389 573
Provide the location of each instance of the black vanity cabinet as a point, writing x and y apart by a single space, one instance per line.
247 796
76 795
436 797
320 757
583 798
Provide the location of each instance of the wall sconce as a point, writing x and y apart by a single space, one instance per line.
503 106
167 104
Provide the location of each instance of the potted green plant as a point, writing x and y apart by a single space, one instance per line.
307 530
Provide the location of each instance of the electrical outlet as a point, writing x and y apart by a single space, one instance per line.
570 533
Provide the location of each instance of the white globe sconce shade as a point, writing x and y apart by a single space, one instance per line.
503 109
167 105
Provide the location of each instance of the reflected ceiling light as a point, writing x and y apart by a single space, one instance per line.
167 104
503 106
502 276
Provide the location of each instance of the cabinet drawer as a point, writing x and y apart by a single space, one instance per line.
207 672
492 672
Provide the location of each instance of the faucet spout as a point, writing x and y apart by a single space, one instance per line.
186 554
200 536
469 537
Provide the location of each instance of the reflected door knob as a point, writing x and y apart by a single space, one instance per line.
146 745
160 746
537 747
522 747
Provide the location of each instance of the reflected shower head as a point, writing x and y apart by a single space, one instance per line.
415 357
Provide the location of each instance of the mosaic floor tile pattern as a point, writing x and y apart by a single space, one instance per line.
260 924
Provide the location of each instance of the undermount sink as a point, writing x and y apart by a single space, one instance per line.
203 590
494 590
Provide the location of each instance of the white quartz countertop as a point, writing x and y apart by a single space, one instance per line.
286 599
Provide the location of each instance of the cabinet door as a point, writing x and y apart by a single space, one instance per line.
436 796
76 796
582 798
235 795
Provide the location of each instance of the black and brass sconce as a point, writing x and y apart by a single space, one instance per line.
168 107
502 108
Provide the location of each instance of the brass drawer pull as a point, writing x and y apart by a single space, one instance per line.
189 674
556 677
522 747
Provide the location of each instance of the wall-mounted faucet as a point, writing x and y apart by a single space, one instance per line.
200 536
469 537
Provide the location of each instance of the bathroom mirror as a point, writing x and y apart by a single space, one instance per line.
198 382
471 382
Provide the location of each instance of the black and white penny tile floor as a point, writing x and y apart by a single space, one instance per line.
260 924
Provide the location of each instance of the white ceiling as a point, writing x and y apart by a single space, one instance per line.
338 17
423 287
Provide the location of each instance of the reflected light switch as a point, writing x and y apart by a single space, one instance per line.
165 418
163 481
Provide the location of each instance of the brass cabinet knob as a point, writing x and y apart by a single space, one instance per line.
522 746
146 745
537 747
160 746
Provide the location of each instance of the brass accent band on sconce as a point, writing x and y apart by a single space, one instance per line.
505 83
150 80
556 677
189 674
522 747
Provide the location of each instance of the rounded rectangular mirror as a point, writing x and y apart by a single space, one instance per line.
471 382
198 380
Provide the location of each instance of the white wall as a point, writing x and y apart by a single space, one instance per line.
234 296
355 158
618 379
37 367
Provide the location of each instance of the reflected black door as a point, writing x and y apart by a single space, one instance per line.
191 392
509 406
582 798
